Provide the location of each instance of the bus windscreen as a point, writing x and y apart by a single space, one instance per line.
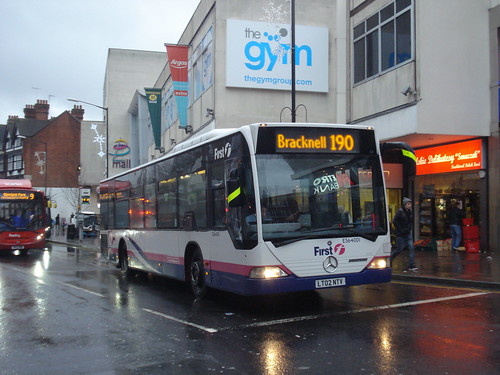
21 210
309 190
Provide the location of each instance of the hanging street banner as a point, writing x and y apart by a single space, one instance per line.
178 62
154 104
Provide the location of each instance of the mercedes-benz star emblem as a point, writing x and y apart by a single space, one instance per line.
330 264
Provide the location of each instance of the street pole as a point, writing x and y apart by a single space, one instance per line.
292 10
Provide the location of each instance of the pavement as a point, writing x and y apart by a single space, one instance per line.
457 268
90 243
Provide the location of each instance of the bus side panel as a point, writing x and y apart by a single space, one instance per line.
146 252
161 253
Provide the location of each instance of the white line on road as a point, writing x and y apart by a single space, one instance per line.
384 307
318 316
81 289
206 329
40 281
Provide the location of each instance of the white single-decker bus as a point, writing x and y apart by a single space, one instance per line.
261 209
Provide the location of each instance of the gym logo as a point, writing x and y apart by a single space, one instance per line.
272 49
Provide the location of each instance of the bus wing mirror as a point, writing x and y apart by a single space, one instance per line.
235 195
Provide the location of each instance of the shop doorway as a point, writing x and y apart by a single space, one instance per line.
435 195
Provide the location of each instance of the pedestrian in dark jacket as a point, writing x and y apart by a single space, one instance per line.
455 216
403 221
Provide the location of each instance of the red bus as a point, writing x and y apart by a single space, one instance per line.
24 223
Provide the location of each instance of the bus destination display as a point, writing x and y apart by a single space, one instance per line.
17 195
334 140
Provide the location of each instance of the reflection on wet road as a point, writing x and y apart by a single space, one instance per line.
67 311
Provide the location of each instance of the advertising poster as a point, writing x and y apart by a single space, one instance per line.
258 56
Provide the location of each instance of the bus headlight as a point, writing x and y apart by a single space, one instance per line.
267 272
39 237
378 263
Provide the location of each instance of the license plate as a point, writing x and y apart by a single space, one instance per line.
328 283
17 247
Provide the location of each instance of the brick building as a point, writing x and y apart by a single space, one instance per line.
45 151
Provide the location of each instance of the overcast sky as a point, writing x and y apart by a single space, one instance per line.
57 49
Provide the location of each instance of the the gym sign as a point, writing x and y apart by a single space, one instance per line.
258 56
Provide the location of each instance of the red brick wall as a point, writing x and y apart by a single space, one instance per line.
62 137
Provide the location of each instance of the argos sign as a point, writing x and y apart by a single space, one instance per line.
258 56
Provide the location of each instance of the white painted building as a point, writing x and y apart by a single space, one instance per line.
126 72
410 68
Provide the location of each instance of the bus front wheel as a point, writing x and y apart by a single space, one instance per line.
197 275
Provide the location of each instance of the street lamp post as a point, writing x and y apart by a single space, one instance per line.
44 162
106 172
292 57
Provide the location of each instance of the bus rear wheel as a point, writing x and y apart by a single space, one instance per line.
123 262
197 275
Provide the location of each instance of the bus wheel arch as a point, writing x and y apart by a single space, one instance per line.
195 270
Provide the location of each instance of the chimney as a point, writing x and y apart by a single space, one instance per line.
78 112
29 111
12 119
42 110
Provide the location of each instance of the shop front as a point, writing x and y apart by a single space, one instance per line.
449 174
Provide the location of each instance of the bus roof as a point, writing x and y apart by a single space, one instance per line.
15 184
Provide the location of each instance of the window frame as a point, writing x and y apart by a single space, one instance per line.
362 31
201 67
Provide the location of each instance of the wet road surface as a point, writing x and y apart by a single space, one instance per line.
69 312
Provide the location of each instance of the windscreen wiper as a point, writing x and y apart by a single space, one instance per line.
338 227
310 235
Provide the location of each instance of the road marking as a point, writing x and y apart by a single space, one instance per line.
376 308
82 289
440 286
317 316
40 281
206 329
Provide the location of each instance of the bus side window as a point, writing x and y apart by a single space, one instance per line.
136 213
235 188
188 221
122 214
240 192
192 196
193 185
167 195
218 195
167 206
150 206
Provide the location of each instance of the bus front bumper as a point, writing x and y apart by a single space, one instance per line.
246 286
